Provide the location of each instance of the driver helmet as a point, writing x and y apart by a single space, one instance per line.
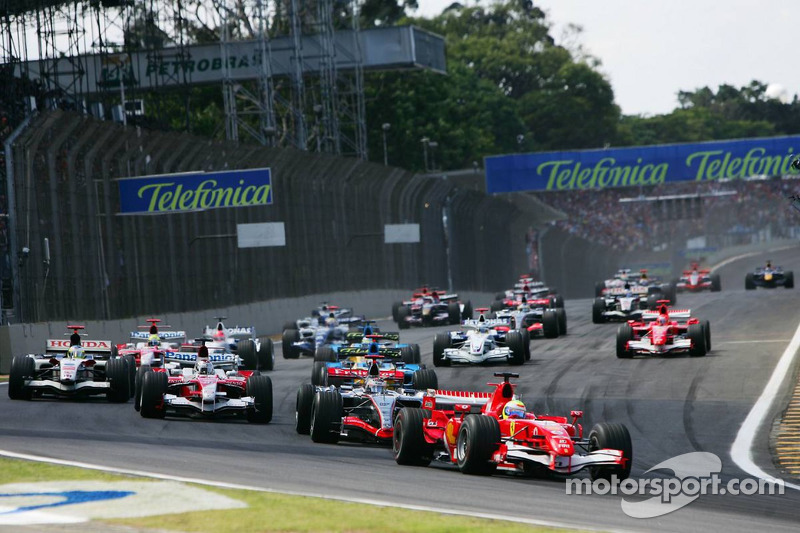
376 386
662 320
769 264
331 321
514 409
219 336
154 341
76 351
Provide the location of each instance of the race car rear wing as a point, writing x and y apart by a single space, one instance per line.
91 346
673 313
361 351
488 323
456 400
166 336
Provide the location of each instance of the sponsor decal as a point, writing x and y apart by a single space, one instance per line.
642 165
195 191
64 344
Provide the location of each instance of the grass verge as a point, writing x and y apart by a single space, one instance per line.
273 512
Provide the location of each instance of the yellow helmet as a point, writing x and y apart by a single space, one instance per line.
513 409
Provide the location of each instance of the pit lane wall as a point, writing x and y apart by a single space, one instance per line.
106 266
267 318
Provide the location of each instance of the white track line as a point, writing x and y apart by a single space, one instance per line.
750 254
378 503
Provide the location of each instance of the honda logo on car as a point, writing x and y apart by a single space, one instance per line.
64 344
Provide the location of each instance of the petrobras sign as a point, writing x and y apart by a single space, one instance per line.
195 191
642 165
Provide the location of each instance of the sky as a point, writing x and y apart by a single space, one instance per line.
650 50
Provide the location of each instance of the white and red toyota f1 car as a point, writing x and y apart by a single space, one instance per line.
698 279
484 432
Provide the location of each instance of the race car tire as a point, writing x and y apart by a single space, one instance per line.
749 282
289 337
562 320
409 446
131 373
396 310
675 282
289 325
453 314
260 388
137 386
417 354
652 302
407 354
670 293
550 324
716 283
440 342
325 354
154 386
500 296
557 301
789 280
118 375
624 335
425 379
266 354
246 350
477 441
612 437
515 342
22 368
302 410
599 287
326 417
319 374
598 308
114 352
698 338
402 317
707 333
496 306
467 313
526 342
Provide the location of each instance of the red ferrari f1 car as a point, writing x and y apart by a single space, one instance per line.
484 432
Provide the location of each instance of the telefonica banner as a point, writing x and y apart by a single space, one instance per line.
641 165
195 191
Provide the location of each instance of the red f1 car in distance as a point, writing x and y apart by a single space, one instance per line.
503 435
660 333
697 279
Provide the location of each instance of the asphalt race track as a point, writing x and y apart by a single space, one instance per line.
671 405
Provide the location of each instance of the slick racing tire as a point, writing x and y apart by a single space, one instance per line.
515 342
624 335
698 338
670 293
409 446
425 379
440 342
417 354
131 372
477 441
325 354
407 355
453 314
266 355
289 337
612 437
749 282
137 386
319 373
598 308
467 313
246 350
326 417
260 388
22 368
789 280
652 302
289 325
496 306
402 317
500 296
562 320
557 301
526 342
396 310
550 324
154 386
599 287
707 333
118 375
302 410
716 283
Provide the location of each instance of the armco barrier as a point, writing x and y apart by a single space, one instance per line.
106 266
